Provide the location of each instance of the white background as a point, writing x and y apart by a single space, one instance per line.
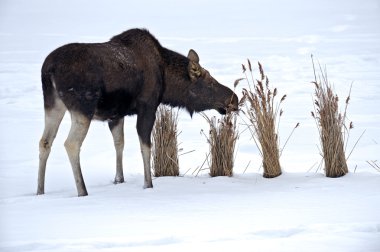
301 210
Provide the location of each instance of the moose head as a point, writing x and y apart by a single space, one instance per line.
205 92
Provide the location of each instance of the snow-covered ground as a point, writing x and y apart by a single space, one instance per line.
298 211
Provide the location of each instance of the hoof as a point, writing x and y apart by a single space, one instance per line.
82 194
149 185
118 180
40 190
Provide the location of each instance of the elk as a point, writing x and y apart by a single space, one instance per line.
131 74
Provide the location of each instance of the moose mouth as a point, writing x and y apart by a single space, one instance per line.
222 111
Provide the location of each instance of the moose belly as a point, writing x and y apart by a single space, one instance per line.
115 106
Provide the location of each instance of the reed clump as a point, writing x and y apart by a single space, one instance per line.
222 139
331 124
165 145
263 112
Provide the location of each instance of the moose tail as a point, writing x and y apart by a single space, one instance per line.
48 89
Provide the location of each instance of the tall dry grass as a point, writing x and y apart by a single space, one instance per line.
374 165
165 146
263 112
331 124
222 140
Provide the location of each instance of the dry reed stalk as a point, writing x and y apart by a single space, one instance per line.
264 116
331 125
165 147
222 139
374 165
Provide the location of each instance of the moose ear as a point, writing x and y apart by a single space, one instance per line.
193 56
194 70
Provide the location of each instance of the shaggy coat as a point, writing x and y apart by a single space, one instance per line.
129 75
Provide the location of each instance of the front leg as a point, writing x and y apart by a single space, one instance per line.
146 153
117 130
145 122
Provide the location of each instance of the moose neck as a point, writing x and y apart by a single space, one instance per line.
176 79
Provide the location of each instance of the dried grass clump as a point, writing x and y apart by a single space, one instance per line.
165 147
264 116
331 126
222 139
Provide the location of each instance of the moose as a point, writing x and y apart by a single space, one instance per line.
131 74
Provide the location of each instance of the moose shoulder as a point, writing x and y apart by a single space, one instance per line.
130 74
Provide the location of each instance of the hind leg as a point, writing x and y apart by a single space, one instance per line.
117 130
73 143
53 118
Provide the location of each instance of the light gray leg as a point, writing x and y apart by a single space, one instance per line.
73 143
146 152
117 130
53 118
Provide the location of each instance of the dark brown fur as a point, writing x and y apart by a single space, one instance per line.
130 74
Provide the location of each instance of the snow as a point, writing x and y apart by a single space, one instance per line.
299 211
303 211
